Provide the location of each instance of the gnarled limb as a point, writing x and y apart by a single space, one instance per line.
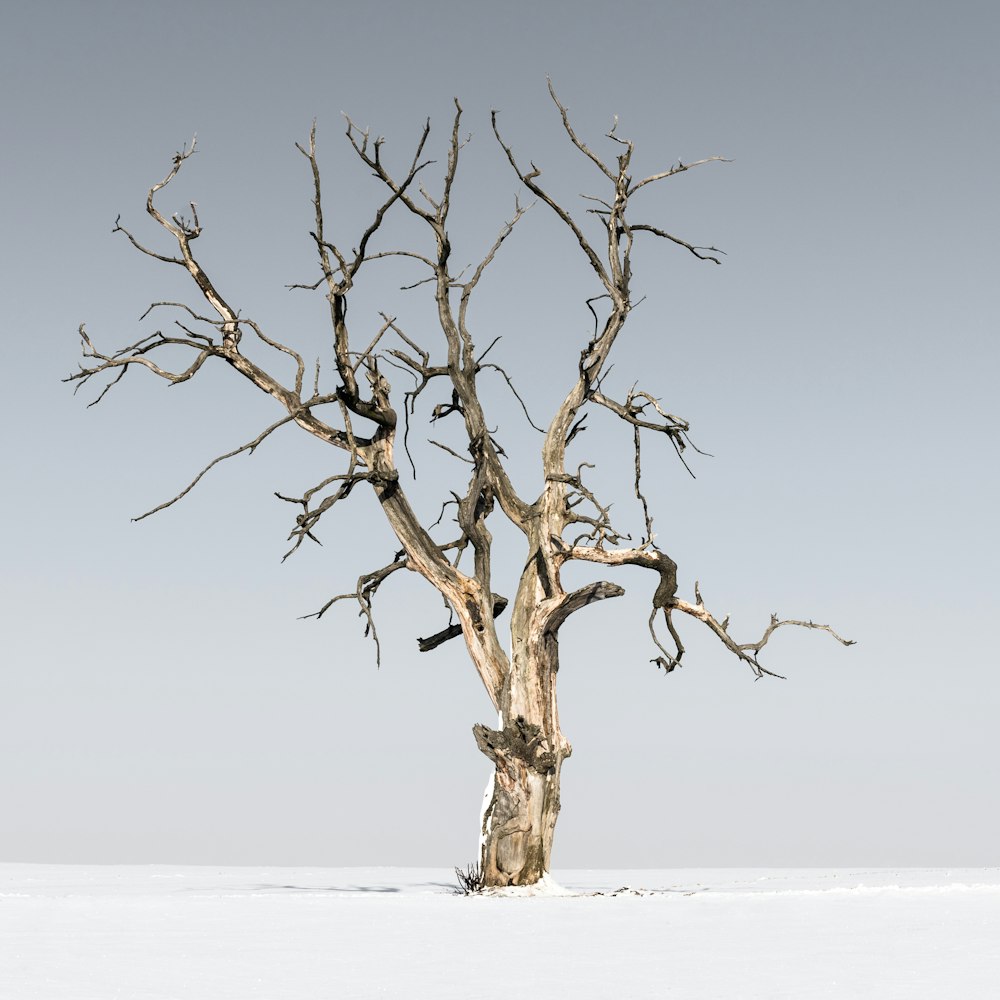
307 520
137 354
583 598
229 324
602 531
364 593
632 411
648 557
746 651
665 600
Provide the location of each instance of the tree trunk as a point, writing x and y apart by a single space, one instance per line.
521 807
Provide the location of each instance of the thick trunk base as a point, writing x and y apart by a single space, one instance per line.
520 813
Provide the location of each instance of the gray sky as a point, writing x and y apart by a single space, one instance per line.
159 699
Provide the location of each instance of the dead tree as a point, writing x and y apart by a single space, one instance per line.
566 521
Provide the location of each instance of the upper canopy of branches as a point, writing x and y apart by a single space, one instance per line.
359 418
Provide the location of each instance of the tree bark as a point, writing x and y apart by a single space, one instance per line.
528 748
522 805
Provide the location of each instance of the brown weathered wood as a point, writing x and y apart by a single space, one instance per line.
566 522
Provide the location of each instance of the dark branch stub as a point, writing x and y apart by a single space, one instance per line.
454 631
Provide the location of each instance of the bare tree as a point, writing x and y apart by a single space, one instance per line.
567 521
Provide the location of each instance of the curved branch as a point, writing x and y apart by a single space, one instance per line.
119 228
364 594
641 228
469 285
665 599
308 519
603 531
669 661
137 357
528 180
250 447
648 557
748 651
582 598
679 169
582 146
359 140
510 384
632 410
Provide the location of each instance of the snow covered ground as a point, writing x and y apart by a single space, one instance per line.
203 933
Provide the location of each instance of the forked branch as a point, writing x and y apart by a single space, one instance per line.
746 651
529 180
364 594
665 599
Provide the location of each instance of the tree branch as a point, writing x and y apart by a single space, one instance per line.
596 160
454 631
136 355
679 169
641 228
632 411
308 519
582 598
748 651
364 594
250 447
528 180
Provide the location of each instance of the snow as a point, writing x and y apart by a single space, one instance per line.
205 933
545 886
485 822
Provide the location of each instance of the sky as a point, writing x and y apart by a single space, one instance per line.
161 698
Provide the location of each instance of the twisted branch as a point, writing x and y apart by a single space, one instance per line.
364 593
746 651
